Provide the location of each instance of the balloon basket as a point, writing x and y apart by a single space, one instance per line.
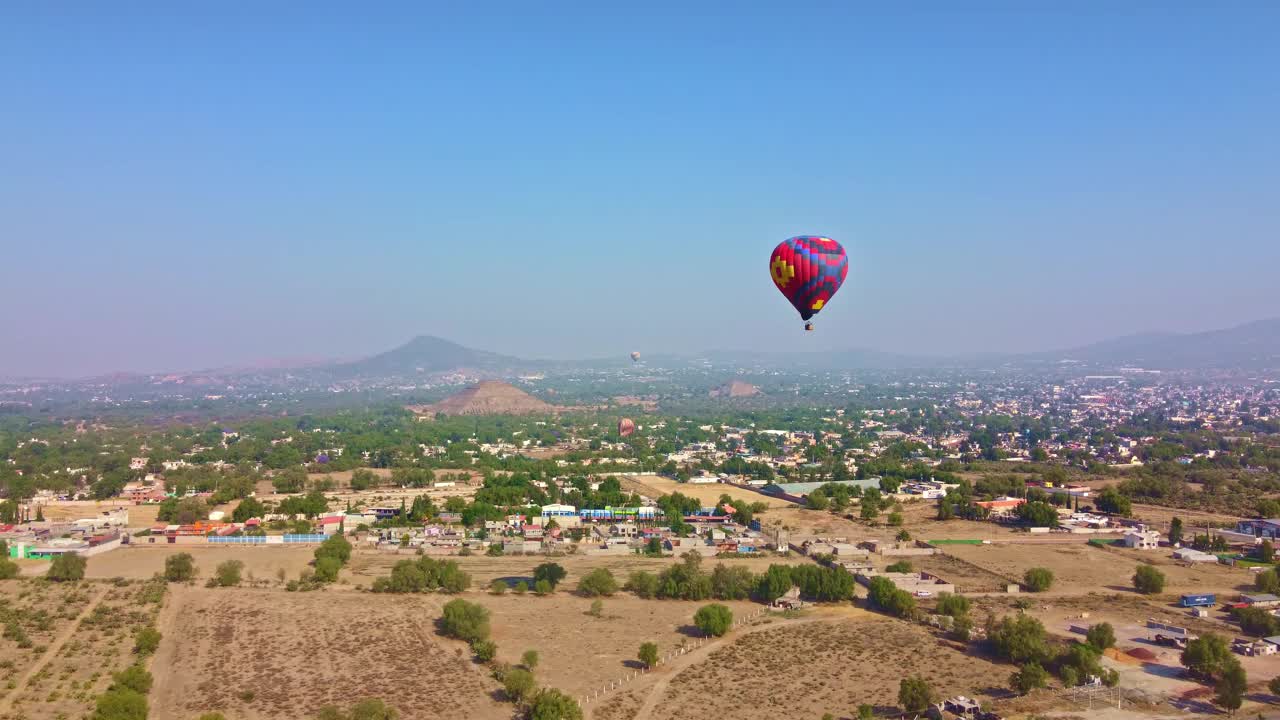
808 327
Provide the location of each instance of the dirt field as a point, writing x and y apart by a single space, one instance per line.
140 516
822 667
143 562
579 653
655 486
967 577
1082 568
266 654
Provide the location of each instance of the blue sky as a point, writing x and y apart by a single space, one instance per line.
194 188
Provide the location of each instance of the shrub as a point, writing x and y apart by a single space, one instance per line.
1148 580
485 650
1207 656
598 582
543 587
67 567
327 568
146 641
597 608
1101 636
518 684
135 678
497 587
373 710
714 619
914 694
1037 579
465 621
649 654
522 587
8 569
550 572
952 605
529 659
1020 639
551 704
179 568
227 573
1030 677
643 584
120 704
902 566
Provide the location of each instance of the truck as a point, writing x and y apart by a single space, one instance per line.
1169 635
1200 600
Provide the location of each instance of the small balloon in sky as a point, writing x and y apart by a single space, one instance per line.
808 270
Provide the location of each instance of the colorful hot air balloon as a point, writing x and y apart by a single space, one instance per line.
626 426
808 270
635 357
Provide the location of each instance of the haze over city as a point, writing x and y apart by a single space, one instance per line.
190 189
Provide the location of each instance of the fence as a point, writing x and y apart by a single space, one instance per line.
596 695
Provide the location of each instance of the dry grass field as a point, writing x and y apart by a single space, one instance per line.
655 486
270 655
1081 568
579 653
140 516
145 561
807 669
63 680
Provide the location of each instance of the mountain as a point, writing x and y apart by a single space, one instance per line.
488 397
1252 346
427 354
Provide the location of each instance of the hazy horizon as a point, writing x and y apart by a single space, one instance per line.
198 188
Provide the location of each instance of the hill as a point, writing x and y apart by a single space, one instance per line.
1250 346
488 397
735 389
428 354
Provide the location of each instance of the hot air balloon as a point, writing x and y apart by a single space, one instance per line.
626 426
808 270
635 357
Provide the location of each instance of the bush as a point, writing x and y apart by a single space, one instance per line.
1020 639
135 678
902 566
423 575
1267 581
1037 579
121 704
1207 656
518 684
227 573
8 569
485 650
465 621
643 584
67 567
543 587
498 587
597 608
550 572
649 654
883 594
598 582
529 659
895 519
1148 580
373 710
914 694
146 641
327 568
522 587
1101 636
953 605
714 619
179 568
551 704
1030 677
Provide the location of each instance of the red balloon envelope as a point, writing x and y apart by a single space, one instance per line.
808 270
626 426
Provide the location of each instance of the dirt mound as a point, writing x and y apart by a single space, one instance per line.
489 397
735 389
1141 654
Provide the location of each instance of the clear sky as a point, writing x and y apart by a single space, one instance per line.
188 188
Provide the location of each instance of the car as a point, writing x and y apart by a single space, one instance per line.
923 593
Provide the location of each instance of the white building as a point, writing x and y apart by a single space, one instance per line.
1142 539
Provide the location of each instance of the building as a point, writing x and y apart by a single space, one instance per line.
921 584
556 510
1194 556
1141 539
1001 507
797 491
1260 528
1260 600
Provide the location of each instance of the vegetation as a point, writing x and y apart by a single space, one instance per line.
915 695
551 704
552 573
179 568
518 684
529 659
1101 636
884 595
227 574
1207 657
649 654
465 621
425 574
714 619
1037 579
902 566
146 641
363 710
67 567
1029 677
598 582
1148 580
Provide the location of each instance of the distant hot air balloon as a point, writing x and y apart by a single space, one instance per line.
626 426
635 357
808 270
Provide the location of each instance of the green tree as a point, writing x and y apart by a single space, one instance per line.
1037 514
1207 656
1175 531
1148 580
551 572
643 584
714 619
1267 581
953 605
1101 636
179 568
816 500
485 650
135 678
518 684
362 479
1037 579
1230 688
1020 639
895 519
1274 685
1266 551
67 567
121 704
146 641
327 568
465 621
227 574
902 566
248 508
1111 501
9 569
1029 677
649 654
598 582
551 704
903 536
914 694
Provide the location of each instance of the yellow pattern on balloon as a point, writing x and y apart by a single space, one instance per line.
782 272
817 304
